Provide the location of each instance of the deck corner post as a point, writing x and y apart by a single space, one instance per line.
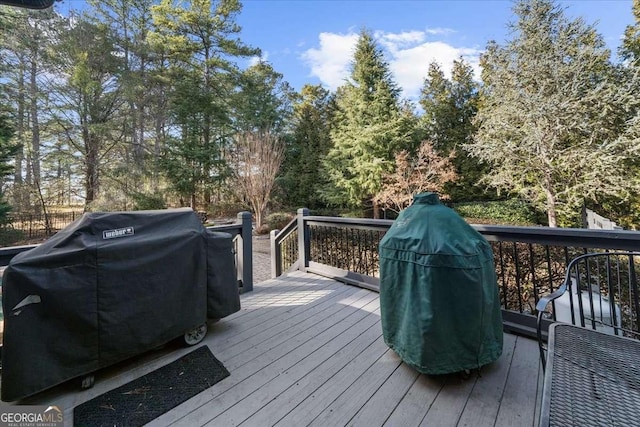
245 252
304 250
276 255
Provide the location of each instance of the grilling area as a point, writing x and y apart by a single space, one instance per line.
306 348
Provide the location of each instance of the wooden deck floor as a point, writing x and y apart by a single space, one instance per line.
305 350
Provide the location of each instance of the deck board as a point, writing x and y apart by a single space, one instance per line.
416 402
315 403
450 402
348 403
260 396
377 409
521 386
483 404
307 350
263 368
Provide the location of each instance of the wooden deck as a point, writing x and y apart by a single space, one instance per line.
306 350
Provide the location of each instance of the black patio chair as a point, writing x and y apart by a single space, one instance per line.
600 291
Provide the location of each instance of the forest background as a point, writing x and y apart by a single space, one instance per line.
142 104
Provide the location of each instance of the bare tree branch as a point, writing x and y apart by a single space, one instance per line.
255 163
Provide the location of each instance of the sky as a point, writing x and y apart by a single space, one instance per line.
312 41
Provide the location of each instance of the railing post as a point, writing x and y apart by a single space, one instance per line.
276 255
304 250
245 253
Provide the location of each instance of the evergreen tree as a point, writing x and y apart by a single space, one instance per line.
551 113
263 102
200 39
88 101
262 109
26 36
449 109
130 23
308 145
630 48
370 127
7 152
627 212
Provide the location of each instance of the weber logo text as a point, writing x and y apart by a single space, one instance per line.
120 232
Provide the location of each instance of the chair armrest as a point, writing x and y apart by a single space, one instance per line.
545 300
540 308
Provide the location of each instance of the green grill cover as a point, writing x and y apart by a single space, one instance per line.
438 292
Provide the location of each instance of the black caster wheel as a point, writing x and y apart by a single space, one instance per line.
195 335
87 382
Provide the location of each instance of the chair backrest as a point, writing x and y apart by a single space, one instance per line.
601 292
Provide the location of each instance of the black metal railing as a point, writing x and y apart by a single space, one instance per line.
530 261
599 291
286 242
351 246
24 226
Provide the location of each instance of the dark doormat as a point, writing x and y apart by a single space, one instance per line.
146 398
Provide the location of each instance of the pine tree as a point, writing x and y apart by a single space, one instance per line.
370 127
627 212
630 48
263 101
200 40
88 101
262 108
130 23
26 37
307 146
450 106
7 152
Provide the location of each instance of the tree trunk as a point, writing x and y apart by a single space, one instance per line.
157 152
376 209
552 215
207 197
259 215
19 197
91 167
35 124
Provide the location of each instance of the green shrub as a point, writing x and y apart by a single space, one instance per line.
502 212
353 214
10 236
145 202
263 229
325 212
225 209
278 220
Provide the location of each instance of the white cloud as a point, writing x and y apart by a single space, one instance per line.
394 40
439 31
256 59
330 62
408 54
410 66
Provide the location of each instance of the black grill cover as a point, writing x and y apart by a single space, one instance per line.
222 299
107 287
